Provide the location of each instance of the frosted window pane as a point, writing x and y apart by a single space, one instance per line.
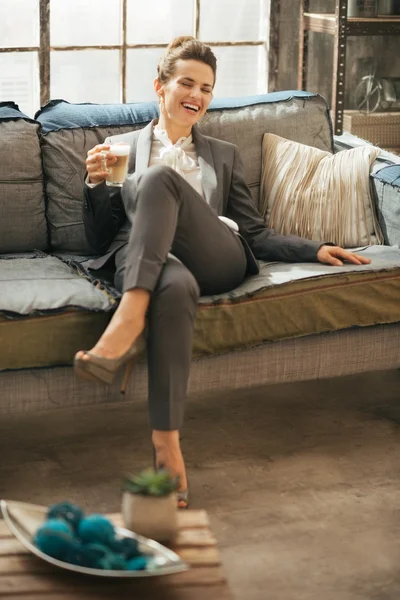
140 74
88 23
232 20
19 23
158 21
86 75
241 71
19 80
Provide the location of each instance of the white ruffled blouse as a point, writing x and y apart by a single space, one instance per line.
181 156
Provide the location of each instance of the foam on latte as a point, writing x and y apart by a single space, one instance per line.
119 149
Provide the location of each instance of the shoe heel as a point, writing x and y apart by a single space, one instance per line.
126 376
182 497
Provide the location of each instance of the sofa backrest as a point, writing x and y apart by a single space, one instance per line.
22 202
70 130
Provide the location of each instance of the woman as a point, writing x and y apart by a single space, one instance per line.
169 246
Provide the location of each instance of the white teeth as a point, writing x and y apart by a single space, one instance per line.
187 105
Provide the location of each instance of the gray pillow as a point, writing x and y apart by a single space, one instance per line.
22 203
68 132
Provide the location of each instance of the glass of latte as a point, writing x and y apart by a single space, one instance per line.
118 170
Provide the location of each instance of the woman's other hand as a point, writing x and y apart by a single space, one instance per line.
95 163
335 255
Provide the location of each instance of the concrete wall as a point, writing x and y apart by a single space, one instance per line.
361 52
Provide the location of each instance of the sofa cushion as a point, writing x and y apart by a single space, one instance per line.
61 335
387 192
47 311
289 300
22 203
295 300
283 301
70 130
318 195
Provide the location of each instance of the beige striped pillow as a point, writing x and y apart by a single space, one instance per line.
318 195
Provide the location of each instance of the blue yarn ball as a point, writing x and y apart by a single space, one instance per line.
96 528
55 537
138 563
112 562
127 546
71 513
87 555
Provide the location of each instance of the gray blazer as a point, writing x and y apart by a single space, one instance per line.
225 190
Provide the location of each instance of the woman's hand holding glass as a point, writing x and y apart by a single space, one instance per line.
96 163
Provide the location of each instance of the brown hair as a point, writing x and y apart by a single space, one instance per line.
184 48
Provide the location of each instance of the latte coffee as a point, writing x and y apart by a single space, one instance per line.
118 170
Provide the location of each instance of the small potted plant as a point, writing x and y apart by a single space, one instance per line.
149 505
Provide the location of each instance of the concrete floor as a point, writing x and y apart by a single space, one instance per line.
301 481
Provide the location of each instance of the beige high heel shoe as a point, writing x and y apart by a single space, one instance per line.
98 368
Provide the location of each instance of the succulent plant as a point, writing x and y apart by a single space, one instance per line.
151 483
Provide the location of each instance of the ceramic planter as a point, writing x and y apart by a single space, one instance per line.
151 516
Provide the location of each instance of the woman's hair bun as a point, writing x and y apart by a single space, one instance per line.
179 41
184 47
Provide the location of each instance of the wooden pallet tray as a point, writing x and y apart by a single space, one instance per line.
23 576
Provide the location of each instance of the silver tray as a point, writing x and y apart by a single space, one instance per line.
23 520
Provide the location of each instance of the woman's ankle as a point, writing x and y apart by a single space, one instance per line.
169 454
161 438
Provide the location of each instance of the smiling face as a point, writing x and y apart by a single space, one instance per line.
186 96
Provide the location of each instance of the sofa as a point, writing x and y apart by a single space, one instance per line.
291 322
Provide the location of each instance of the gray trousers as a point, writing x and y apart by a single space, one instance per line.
178 249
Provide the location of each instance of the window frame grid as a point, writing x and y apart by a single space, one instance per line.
44 49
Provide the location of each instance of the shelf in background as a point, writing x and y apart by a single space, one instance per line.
326 23
341 28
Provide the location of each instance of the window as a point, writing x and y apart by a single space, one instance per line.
107 50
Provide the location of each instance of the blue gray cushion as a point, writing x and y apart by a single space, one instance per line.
40 284
47 311
387 197
22 204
